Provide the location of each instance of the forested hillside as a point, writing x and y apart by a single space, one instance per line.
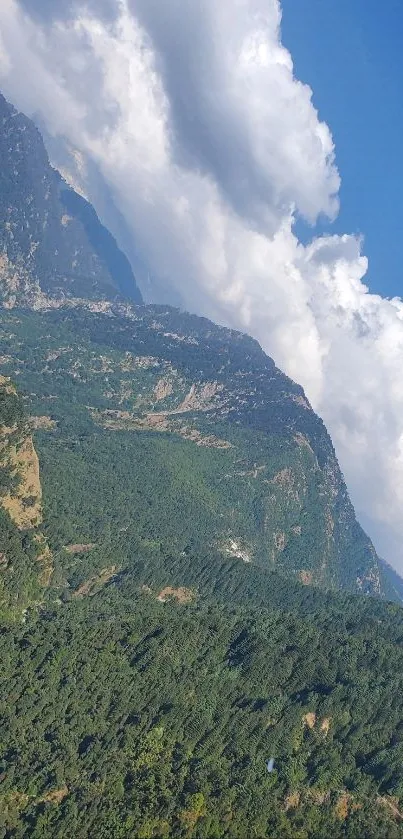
130 713
149 668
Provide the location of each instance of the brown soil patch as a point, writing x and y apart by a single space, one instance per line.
325 725
24 505
42 423
306 577
309 719
6 384
44 558
210 441
391 803
126 421
55 796
182 595
79 549
163 389
199 398
292 801
341 809
91 586
344 806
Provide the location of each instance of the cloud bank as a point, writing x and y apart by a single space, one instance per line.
190 114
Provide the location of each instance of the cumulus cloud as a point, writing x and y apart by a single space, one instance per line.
192 116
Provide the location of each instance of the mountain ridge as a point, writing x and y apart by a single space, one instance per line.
51 240
47 228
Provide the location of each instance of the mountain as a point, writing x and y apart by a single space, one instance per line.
52 244
234 462
186 596
295 513
281 500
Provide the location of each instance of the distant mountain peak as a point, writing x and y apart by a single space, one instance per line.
52 242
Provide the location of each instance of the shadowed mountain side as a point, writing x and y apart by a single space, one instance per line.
51 241
103 243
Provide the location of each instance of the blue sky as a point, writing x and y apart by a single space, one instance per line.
350 53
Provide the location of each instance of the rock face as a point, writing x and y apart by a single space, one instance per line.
52 243
21 495
25 557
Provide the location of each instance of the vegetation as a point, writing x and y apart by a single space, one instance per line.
164 449
128 717
144 687
176 570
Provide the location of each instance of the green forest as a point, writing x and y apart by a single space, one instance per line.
123 716
147 681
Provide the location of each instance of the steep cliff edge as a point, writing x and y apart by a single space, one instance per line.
52 244
25 557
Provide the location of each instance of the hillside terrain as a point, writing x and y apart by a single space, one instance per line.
177 436
185 592
170 645
25 559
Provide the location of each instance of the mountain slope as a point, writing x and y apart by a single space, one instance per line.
25 558
130 710
281 500
177 556
52 243
186 438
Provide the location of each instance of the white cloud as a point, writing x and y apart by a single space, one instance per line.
211 147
